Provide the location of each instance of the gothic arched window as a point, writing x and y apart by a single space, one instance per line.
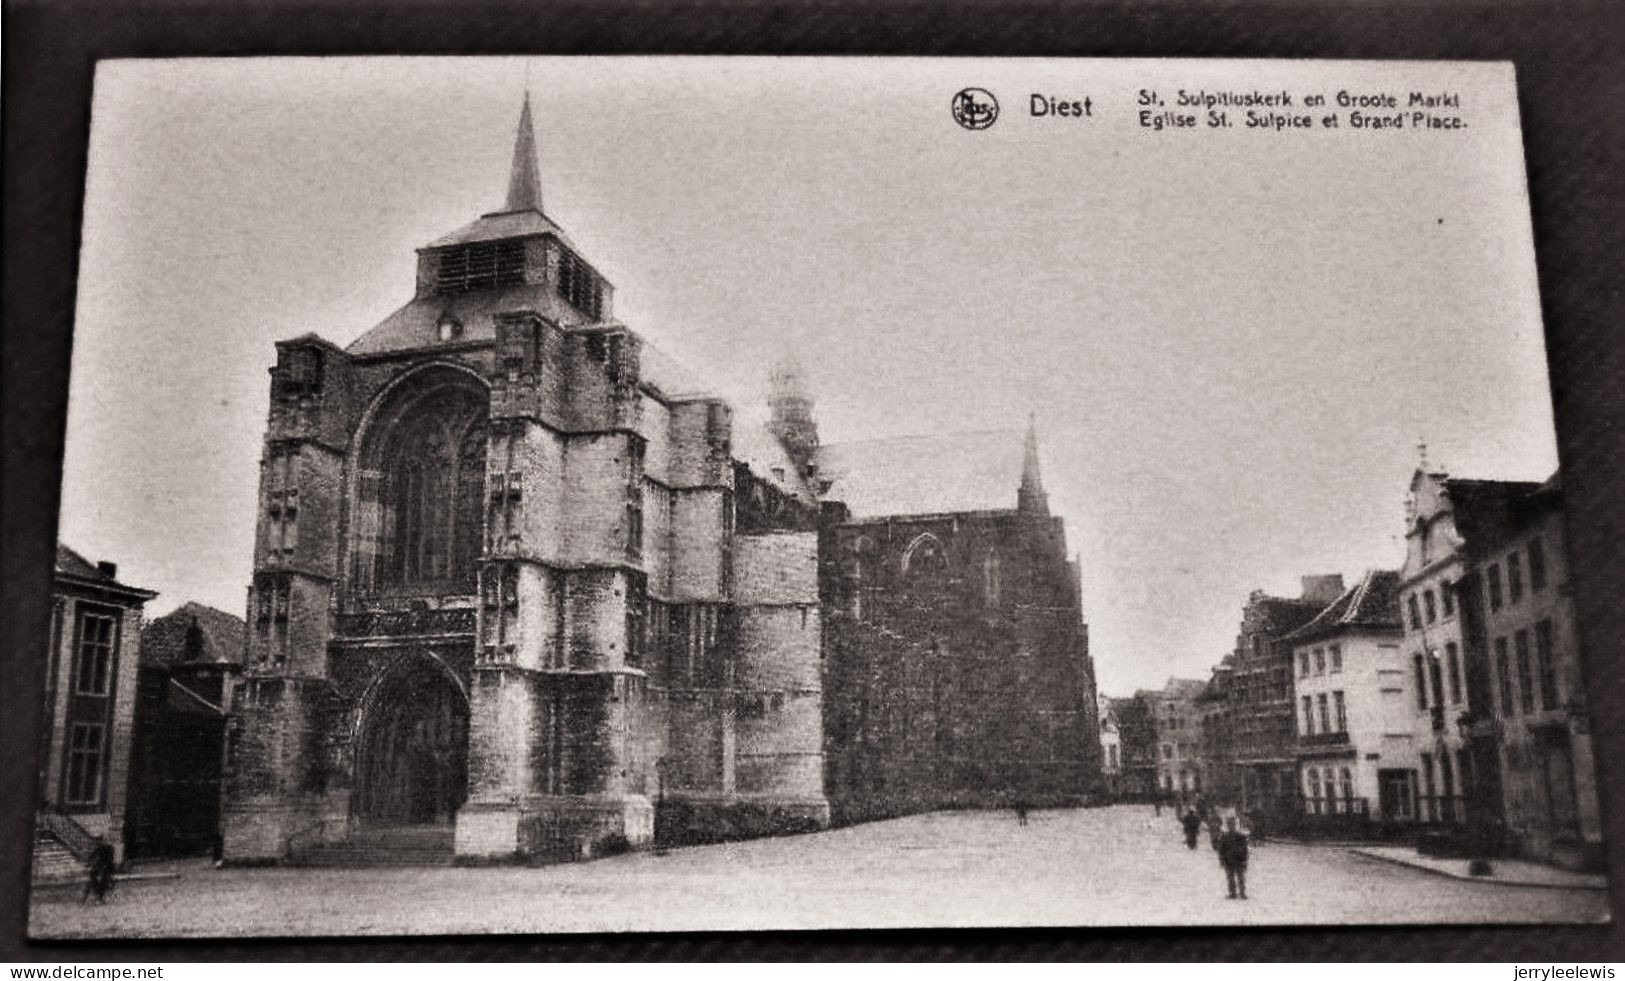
992 578
427 505
925 559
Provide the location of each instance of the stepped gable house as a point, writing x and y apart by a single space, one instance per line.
509 577
957 660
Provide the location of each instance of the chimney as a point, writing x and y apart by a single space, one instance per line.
1322 589
108 569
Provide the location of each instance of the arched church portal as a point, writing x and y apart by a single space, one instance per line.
412 754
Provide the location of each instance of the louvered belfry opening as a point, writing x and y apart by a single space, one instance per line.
481 265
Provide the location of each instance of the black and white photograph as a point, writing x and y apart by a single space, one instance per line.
604 494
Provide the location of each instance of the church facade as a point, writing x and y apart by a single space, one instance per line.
517 577
498 583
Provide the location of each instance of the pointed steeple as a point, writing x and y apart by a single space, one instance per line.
1031 496
524 179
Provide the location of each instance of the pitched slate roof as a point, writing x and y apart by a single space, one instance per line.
1371 604
937 474
1489 511
69 562
219 637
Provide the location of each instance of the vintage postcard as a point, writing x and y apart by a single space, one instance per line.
558 495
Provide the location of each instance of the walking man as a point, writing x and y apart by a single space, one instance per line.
1233 856
1192 825
99 878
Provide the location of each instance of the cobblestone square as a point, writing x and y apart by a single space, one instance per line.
1106 867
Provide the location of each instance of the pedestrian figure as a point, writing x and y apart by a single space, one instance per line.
1213 829
99 880
1021 812
1192 825
1233 857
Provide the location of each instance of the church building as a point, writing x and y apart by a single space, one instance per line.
523 586
503 582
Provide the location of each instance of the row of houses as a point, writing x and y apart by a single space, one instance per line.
1445 694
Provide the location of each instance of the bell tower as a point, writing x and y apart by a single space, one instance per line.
792 419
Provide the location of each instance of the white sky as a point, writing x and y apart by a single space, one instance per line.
1233 339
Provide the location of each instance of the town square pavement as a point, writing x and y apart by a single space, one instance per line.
1108 866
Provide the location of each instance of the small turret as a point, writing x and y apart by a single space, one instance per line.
1031 498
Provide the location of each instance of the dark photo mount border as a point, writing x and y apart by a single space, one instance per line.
1571 88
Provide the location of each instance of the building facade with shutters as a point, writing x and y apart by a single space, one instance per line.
511 579
92 666
1356 744
1523 617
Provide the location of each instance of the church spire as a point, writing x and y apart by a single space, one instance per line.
1031 496
524 180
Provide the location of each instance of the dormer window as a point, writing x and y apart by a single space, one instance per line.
480 265
448 327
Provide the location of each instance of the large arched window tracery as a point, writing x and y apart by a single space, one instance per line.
420 512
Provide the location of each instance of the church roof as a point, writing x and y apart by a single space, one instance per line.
415 325
219 637
938 474
502 224
755 445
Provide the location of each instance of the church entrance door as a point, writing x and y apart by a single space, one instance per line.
413 751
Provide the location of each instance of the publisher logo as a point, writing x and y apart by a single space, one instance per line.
975 108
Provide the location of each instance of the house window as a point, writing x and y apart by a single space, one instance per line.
1342 711
1492 579
1432 610
87 757
1537 565
1421 682
1314 789
1547 666
1303 664
1447 597
1453 665
93 667
1503 674
1514 577
1320 660
1526 687
1437 674
1348 787
1308 716
1325 713
1415 611
1337 659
